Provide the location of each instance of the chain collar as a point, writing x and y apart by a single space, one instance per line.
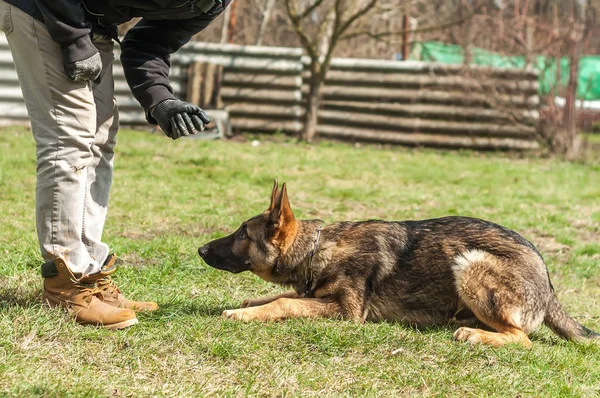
311 255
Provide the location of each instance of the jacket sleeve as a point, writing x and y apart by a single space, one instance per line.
146 50
67 25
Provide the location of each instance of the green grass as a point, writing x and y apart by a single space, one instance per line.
169 198
593 138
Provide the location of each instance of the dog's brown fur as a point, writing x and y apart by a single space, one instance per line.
451 270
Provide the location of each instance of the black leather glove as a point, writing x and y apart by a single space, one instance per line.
179 118
88 69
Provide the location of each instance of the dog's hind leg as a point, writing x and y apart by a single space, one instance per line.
505 335
499 297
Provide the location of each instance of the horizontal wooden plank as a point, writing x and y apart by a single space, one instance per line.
234 63
400 80
132 118
408 67
265 126
263 81
243 51
265 111
416 125
13 110
434 140
8 74
232 95
10 93
432 111
339 93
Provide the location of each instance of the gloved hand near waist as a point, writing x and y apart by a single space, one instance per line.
179 118
82 61
88 69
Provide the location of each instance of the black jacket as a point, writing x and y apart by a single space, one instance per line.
166 25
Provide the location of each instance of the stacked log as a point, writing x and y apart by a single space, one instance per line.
425 104
261 87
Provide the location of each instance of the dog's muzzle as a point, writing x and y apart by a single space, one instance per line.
221 257
203 251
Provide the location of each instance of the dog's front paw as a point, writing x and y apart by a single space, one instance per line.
237 315
469 335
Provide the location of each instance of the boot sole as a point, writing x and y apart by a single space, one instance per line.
120 325
55 303
136 308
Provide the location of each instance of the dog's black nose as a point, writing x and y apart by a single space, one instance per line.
203 250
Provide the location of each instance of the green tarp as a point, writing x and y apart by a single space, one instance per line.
588 87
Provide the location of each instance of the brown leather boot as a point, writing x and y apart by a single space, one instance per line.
83 300
111 294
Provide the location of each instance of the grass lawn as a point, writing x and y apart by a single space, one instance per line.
170 197
592 139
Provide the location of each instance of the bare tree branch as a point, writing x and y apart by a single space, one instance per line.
266 16
305 40
431 28
354 17
310 9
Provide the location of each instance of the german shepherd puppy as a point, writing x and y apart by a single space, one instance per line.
451 270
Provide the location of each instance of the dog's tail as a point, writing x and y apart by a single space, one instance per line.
562 324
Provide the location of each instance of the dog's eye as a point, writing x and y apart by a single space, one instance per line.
243 233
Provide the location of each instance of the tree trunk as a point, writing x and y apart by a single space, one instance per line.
468 43
312 102
573 141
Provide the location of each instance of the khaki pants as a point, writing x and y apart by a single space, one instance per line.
74 125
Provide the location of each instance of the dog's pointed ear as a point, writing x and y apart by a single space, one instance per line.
285 210
282 214
274 195
282 225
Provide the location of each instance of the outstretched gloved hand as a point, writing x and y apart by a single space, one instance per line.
179 118
88 69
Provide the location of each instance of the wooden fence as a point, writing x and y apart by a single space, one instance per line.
261 87
409 103
416 103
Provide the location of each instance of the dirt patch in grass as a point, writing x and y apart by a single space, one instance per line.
586 230
135 260
547 244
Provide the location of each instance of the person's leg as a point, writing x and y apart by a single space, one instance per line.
100 179
64 124
100 168
63 120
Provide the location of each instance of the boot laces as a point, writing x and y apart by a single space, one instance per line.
107 284
88 290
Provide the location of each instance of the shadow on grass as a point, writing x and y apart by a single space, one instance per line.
18 297
536 336
187 308
56 391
